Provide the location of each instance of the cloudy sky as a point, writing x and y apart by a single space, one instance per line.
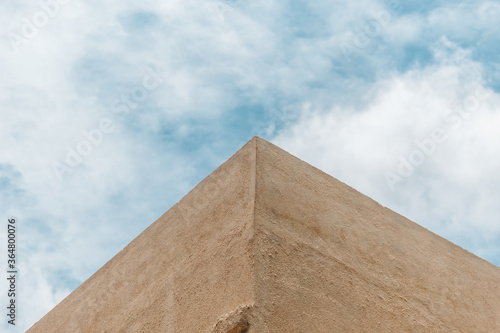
112 111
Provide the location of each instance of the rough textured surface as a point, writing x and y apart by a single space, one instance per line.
188 268
330 259
267 244
237 321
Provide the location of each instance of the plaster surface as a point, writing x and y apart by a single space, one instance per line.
267 243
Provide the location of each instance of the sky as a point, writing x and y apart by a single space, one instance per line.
110 112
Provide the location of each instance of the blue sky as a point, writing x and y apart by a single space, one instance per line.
400 100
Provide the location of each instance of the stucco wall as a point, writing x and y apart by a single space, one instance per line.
267 244
330 259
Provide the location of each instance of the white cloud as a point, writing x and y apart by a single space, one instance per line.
455 190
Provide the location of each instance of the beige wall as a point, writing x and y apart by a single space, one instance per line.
268 244
182 273
330 259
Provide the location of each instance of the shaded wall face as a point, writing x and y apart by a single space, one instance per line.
329 259
189 267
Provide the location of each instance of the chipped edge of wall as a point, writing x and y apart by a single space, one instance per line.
236 321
